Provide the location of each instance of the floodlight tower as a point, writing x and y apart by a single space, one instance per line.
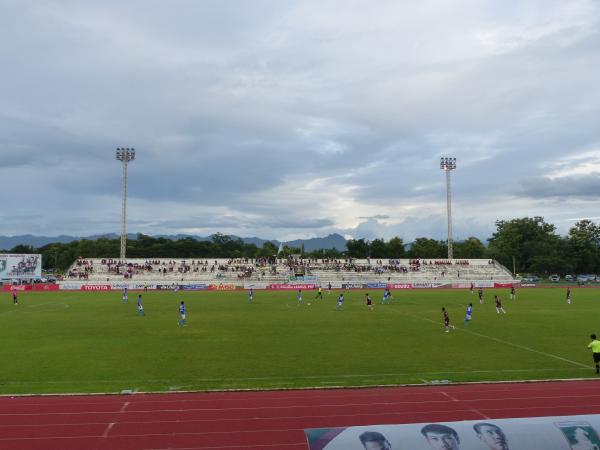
447 165
125 155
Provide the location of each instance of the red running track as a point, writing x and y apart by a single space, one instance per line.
264 420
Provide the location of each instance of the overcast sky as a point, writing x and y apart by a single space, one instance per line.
295 119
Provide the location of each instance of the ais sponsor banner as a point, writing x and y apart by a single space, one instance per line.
289 287
376 285
540 433
13 266
400 286
222 287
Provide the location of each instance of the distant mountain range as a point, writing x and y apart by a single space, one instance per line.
331 241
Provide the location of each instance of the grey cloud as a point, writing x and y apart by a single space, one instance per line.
237 106
585 186
375 217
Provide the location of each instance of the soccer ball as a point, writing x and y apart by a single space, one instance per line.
308 303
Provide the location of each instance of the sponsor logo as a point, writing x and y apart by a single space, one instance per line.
96 287
45 287
222 287
194 287
286 287
69 287
20 287
354 286
376 285
400 286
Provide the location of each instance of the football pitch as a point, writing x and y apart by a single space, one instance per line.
68 342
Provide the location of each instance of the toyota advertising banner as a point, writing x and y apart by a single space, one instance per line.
541 433
13 266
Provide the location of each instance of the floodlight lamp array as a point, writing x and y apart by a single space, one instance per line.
447 163
125 154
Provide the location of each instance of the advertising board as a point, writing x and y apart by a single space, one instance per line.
290 287
96 287
15 266
20 287
541 433
256 285
354 285
194 287
222 287
400 286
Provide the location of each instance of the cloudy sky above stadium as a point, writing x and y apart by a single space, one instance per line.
295 119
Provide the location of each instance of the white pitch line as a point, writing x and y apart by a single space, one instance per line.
282 379
501 341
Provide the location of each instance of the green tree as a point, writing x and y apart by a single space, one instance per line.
471 248
396 248
358 248
524 239
378 249
428 248
583 247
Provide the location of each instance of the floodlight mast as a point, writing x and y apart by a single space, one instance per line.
447 165
125 155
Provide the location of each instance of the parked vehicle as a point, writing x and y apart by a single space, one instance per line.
568 277
554 278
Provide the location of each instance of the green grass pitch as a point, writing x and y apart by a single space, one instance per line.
92 342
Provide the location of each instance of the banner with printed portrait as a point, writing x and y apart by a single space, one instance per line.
541 433
17 266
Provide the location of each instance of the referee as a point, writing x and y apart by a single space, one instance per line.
595 346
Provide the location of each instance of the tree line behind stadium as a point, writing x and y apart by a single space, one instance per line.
530 242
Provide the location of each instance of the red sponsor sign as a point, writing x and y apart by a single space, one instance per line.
19 287
46 287
290 287
222 287
503 285
400 286
96 287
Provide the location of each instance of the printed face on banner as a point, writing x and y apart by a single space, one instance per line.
441 437
580 435
492 436
373 440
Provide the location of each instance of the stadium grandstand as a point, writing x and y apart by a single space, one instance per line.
245 271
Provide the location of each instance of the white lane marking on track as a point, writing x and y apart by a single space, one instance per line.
123 407
501 341
269 418
311 406
108 428
481 414
454 399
